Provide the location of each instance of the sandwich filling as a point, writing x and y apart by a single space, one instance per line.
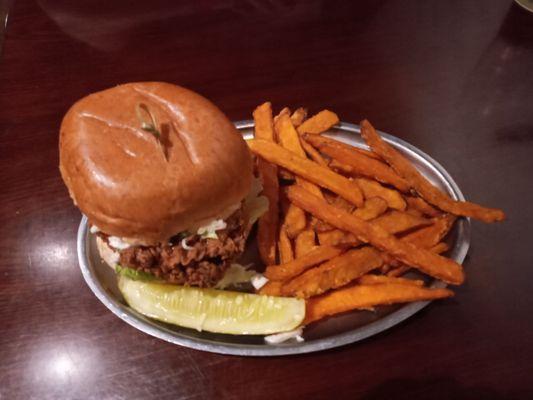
188 259
198 258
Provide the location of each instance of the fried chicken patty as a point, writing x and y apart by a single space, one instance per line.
202 263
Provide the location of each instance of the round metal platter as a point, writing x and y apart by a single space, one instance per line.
332 332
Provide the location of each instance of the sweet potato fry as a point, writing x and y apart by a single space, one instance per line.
334 273
368 296
427 262
268 223
421 205
264 128
298 265
284 111
284 247
440 248
397 221
284 202
413 211
337 201
429 236
287 135
308 169
342 204
373 189
272 288
313 154
373 208
336 237
423 187
319 123
358 164
304 243
283 173
366 152
320 226
393 222
399 269
298 116
289 139
371 279
295 221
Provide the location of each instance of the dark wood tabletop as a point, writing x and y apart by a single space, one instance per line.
454 78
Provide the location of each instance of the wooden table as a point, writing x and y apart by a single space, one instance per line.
453 78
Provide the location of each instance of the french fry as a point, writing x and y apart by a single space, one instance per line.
427 262
356 163
336 237
268 223
421 205
319 123
414 211
373 208
429 236
304 242
313 153
264 128
287 135
373 189
320 226
284 202
337 201
284 111
283 173
298 116
308 169
398 270
334 273
366 152
423 187
298 265
440 248
295 221
289 139
367 296
424 237
284 247
397 222
393 222
342 204
371 279
271 288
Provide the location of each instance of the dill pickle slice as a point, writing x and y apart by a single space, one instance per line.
213 310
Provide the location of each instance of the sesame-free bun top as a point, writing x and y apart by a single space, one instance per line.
133 185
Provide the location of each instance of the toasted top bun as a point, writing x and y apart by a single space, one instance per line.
133 185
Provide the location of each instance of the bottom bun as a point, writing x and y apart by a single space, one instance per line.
110 256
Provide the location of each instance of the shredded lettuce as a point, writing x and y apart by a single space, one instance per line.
254 204
235 275
209 231
134 274
281 337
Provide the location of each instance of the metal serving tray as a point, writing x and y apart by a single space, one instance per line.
333 332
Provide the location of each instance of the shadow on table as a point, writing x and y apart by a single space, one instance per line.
517 27
435 388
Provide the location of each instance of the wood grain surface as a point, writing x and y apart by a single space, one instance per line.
454 78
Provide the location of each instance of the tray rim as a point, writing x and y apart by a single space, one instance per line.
152 328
